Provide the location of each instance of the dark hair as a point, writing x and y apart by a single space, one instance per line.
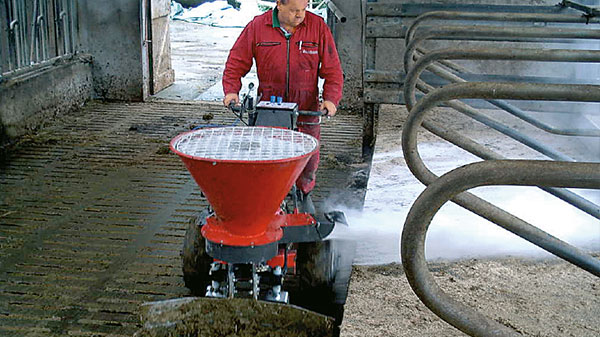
284 2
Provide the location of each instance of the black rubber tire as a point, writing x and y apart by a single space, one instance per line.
196 262
316 266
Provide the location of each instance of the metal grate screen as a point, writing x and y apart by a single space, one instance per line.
33 32
246 143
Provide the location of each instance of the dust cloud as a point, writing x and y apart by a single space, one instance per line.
456 233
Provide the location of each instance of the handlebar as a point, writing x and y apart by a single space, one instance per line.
313 113
238 108
234 107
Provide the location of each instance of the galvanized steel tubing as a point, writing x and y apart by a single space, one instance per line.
589 11
487 33
553 55
556 55
547 175
336 11
451 186
500 17
36 32
518 91
66 15
39 49
17 21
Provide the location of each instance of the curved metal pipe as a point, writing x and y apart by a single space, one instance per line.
528 54
501 17
336 11
550 92
588 10
517 112
508 34
567 196
450 65
548 55
504 129
512 172
515 54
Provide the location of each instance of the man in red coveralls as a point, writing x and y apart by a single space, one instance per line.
292 48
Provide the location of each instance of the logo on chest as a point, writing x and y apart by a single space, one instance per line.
311 52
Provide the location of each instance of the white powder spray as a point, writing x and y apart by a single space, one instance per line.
454 232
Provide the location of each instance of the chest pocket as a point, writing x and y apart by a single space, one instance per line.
268 44
309 54
306 47
267 53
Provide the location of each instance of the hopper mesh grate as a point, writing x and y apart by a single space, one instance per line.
245 143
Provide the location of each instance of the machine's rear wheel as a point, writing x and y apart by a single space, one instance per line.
196 262
317 265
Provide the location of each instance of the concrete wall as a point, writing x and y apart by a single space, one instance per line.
110 31
108 66
29 99
348 36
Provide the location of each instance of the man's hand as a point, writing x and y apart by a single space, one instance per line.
329 107
229 98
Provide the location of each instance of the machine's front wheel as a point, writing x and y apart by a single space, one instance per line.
317 266
196 262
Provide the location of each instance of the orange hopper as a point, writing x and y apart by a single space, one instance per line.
245 173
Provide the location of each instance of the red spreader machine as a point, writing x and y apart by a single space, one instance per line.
252 241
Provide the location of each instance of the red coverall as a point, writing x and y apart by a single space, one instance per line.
289 67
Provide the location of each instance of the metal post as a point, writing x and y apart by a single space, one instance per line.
34 30
370 110
4 52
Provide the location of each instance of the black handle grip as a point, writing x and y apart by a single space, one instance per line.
233 107
313 113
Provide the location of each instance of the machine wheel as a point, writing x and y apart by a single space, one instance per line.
196 262
317 267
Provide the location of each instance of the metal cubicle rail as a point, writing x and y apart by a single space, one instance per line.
35 31
509 172
517 91
495 170
390 20
544 174
506 54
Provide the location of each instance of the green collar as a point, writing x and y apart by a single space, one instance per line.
275 18
276 24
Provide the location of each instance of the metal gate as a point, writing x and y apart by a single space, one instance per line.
564 34
35 31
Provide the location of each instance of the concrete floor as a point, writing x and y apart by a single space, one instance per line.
93 212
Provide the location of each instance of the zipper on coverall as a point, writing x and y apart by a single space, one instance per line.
287 71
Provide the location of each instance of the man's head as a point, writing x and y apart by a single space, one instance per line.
291 12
